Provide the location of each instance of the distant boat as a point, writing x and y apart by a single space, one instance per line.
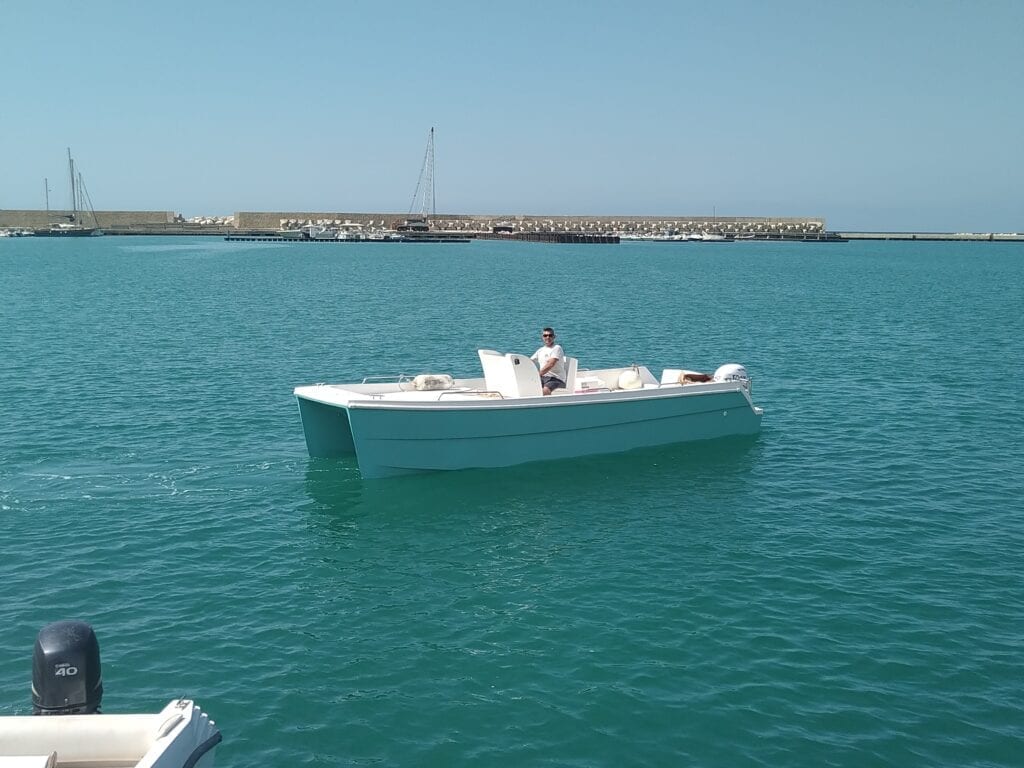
417 228
714 235
711 237
414 224
67 229
73 227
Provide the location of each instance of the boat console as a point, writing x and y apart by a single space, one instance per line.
511 374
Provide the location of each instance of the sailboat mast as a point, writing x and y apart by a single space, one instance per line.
71 175
425 183
46 188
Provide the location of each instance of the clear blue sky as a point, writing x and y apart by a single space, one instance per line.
876 115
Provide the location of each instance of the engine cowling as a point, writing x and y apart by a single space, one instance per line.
731 372
66 676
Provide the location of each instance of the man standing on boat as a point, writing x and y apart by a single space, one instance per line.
550 359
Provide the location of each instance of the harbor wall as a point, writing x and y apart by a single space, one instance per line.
520 226
169 222
42 219
593 225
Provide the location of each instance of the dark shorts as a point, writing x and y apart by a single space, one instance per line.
552 383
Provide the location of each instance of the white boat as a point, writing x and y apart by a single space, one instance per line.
66 728
325 231
404 424
384 235
351 231
320 232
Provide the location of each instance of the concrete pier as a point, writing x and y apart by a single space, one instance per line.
985 237
549 237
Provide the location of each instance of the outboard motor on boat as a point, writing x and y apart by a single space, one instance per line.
66 677
731 372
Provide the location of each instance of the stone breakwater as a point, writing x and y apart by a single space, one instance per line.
471 224
522 227
170 223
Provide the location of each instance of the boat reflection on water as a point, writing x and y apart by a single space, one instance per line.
647 476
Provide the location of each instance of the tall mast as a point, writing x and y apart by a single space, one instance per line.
71 175
425 185
46 187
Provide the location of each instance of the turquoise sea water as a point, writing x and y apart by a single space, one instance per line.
846 590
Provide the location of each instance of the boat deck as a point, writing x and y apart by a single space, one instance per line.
587 386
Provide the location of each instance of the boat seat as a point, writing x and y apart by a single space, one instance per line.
571 364
492 365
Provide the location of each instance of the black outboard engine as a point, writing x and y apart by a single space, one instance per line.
66 676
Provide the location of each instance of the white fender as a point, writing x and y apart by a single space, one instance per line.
630 379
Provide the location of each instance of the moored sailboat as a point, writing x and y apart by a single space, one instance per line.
417 227
73 226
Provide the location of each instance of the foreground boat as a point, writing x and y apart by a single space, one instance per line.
405 424
67 689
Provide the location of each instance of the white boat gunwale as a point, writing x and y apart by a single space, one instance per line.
459 398
181 734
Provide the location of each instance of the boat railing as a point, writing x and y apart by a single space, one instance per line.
387 378
464 392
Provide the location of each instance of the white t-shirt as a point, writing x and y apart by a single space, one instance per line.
545 353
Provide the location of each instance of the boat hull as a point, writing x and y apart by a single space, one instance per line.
326 429
69 232
179 736
391 439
